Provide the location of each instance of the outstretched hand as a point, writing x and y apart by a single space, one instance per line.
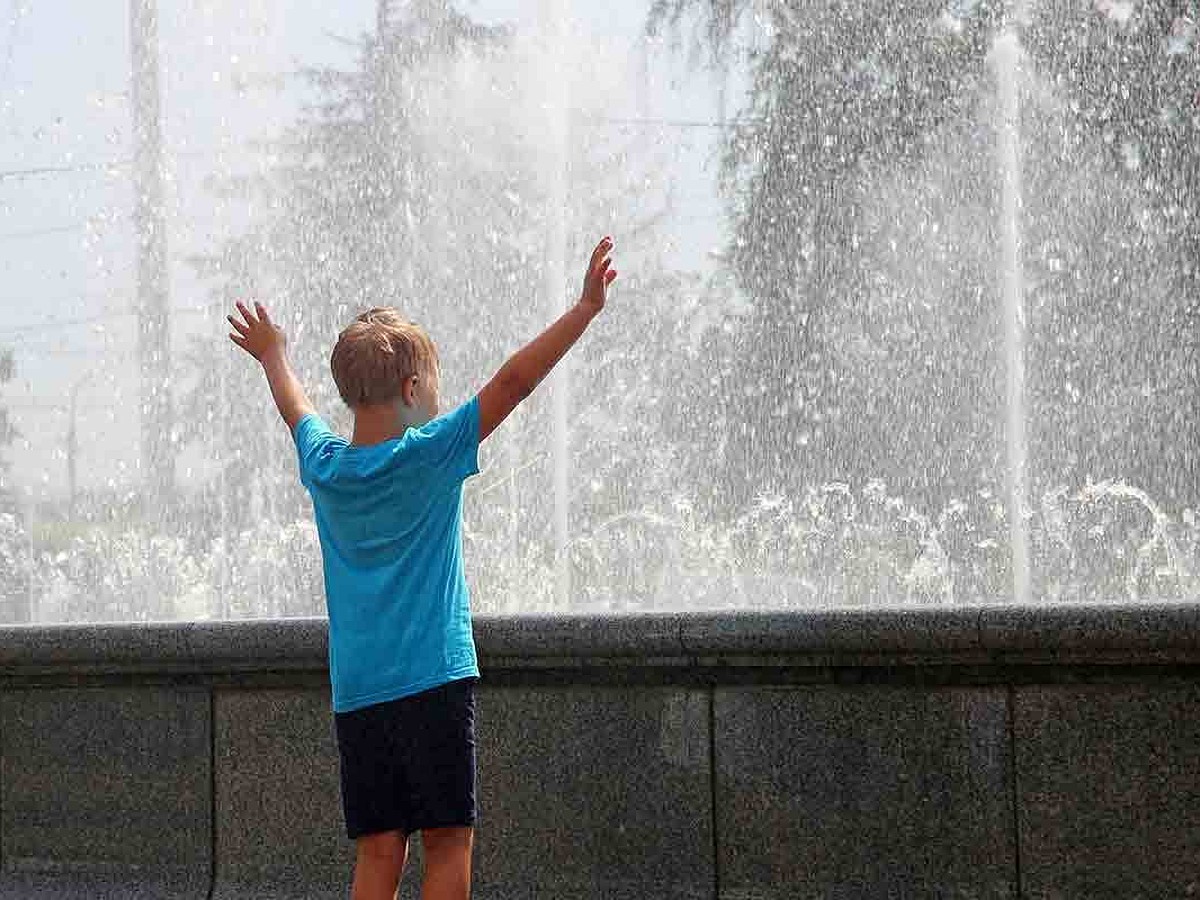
600 275
257 335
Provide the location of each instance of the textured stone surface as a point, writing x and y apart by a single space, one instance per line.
168 646
863 792
1109 782
594 793
1097 632
94 883
595 748
279 828
578 636
1093 633
831 632
105 792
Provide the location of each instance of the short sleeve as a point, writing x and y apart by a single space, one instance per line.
450 443
315 442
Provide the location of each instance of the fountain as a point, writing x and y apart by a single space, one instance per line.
955 252
787 743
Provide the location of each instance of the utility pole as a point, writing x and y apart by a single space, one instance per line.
154 339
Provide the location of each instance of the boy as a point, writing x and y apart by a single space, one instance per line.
388 507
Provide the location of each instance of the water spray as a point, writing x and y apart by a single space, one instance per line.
1007 61
554 18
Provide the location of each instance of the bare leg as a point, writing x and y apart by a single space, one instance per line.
378 866
447 863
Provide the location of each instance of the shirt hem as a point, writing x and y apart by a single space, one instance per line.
407 690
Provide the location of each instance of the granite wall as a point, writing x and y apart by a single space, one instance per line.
965 753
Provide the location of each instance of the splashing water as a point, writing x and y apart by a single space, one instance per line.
555 17
1006 54
490 151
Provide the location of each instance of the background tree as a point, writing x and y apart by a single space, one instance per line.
862 179
331 231
419 180
841 92
1114 317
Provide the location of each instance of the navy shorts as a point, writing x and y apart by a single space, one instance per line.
409 764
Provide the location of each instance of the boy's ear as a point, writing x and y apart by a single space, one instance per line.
408 390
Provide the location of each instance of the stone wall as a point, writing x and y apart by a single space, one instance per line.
960 753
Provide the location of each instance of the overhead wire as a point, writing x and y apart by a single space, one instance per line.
112 164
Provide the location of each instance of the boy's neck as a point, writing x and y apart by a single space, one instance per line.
383 422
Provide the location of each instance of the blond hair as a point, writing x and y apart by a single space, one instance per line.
376 353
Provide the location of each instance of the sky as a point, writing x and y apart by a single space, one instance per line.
67 262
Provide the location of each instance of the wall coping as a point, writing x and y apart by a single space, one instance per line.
1160 632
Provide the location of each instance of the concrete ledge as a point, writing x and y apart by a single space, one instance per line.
1143 631
105 792
101 883
589 793
167 647
829 634
842 753
1109 781
864 792
578 637
275 767
941 635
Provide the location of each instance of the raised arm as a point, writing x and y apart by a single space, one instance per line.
266 342
517 378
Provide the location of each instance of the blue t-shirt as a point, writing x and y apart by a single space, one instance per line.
390 521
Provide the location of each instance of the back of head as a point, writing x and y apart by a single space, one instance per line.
376 353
